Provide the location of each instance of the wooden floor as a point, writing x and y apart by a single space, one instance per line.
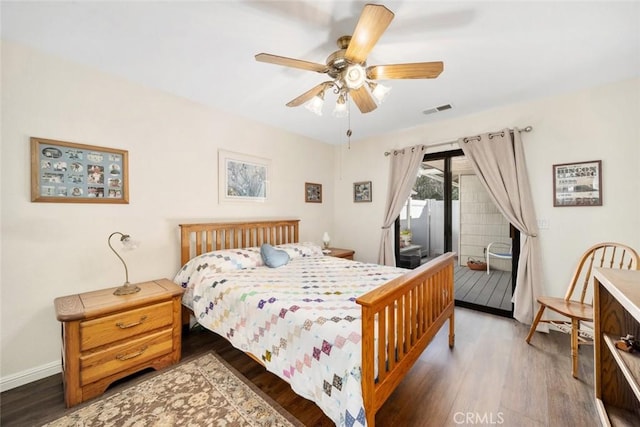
491 377
477 287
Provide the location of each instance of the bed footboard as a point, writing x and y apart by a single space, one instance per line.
407 311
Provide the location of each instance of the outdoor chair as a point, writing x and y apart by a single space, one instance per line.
497 250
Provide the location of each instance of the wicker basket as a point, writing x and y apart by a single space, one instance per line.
476 265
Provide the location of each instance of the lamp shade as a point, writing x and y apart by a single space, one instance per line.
379 91
315 104
340 109
326 239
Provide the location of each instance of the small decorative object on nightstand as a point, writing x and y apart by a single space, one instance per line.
106 337
326 240
340 253
128 244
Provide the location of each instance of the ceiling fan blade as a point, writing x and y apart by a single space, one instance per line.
373 21
418 70
363 99
290 62
309 94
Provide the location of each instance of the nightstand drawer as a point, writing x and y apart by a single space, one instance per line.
101 364
109 329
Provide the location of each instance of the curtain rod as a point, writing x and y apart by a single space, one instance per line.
437 144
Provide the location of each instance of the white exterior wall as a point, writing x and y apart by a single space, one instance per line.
480 223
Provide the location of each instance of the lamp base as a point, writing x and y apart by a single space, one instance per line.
126 289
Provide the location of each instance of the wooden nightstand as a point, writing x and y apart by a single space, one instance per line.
106 337
341 253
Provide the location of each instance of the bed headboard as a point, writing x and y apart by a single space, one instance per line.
196 239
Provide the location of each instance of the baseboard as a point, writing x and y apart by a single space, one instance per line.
30 375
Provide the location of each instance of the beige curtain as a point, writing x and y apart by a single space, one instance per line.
498 160
402 177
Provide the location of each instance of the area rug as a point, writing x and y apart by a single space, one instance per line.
202 392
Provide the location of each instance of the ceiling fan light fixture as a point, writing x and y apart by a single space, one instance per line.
347 67
315 104
340 110
379 91
354 76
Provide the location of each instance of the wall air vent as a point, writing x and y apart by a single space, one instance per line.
437 109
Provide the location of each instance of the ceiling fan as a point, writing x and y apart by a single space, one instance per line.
347 66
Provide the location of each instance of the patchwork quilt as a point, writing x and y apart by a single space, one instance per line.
301 319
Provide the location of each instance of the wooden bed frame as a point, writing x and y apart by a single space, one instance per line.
409 310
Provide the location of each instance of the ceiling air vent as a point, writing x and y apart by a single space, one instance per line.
437 109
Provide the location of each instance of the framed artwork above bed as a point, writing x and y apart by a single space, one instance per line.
242 178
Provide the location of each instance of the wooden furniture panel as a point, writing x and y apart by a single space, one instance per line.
617 373
409 310
341 253
113 359
106 337
196 239
107 329
576 307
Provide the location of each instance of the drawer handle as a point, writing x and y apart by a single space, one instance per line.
131 325
132 355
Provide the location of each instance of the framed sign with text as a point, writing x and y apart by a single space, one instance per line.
577 184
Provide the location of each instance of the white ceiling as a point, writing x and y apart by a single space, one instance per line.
495 53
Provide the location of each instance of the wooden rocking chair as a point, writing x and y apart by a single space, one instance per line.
574 306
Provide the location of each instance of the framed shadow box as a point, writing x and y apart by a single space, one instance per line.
66 172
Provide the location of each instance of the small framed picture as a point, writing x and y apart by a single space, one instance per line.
577 184
67 172
362 191
312 192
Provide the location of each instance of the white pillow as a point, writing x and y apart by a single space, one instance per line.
220 261
305 249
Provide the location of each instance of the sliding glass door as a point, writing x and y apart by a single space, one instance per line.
450 211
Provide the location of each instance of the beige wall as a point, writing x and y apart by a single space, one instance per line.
598 123
52 249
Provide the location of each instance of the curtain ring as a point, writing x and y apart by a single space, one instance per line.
471 138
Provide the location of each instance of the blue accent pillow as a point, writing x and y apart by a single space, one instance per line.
273 257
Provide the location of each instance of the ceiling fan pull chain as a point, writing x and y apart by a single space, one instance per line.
349 118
